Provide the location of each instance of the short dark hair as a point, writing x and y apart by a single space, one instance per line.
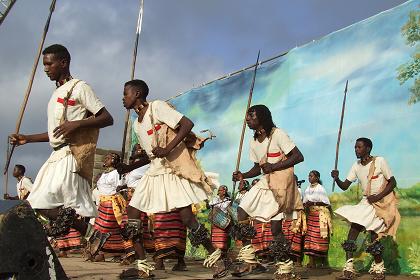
366 141
140 85
59 51
21 168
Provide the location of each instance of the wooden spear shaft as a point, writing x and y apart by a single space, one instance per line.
337 148
28 89
241 141
133 69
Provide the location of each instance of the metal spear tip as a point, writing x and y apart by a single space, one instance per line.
211 135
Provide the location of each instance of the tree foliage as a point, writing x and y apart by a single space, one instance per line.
411 69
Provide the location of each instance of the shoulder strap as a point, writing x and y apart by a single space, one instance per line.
270 137
155 136
370 175
66 99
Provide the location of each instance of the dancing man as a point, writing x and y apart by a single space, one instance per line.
60 193
377 211
275 154
173 181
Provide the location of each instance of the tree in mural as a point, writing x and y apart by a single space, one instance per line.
411 69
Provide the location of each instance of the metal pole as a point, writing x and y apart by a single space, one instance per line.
28 89
241 141
337 148
133 69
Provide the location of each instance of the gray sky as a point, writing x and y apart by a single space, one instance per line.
183 44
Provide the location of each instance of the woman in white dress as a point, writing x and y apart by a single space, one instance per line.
317 206
220 236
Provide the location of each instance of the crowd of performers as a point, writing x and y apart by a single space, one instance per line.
146 206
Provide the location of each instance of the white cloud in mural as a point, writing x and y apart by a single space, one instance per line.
338 66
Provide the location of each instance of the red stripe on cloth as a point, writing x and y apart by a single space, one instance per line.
294 238
219 238
315 245
70 102
106 222
375 177
263 238
70 241
150 131
170 235
274 154
148 242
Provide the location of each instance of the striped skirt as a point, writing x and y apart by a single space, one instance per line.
106 222
148 241
295 239
69 242
263 238
220 237
315 245
170 235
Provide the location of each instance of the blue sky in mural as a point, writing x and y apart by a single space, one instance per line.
304 90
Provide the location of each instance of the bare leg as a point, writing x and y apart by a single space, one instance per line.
180 265
133 231
354 231
159 264
276 229
243 216
190 221
52 214
350 247
134 213
373 237
377 269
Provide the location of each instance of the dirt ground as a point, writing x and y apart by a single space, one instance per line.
76 268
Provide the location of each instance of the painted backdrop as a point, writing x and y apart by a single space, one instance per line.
304 91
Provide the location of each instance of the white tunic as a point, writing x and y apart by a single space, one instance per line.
160 190
259 201
239 197
364 213
316 193
108 183
131 178
221 204
57 184
23 187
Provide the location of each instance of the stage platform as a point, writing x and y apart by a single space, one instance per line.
77 269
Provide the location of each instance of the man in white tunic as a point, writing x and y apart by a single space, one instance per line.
378 183
272 151
59 194
162 189
23 185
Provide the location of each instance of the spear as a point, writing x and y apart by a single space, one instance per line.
28 90
241 142
339 131
133 69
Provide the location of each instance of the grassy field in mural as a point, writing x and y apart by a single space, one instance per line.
400 257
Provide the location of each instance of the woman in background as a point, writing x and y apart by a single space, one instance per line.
317 239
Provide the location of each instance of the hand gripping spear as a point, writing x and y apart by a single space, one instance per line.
339 131
241 142
28 92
